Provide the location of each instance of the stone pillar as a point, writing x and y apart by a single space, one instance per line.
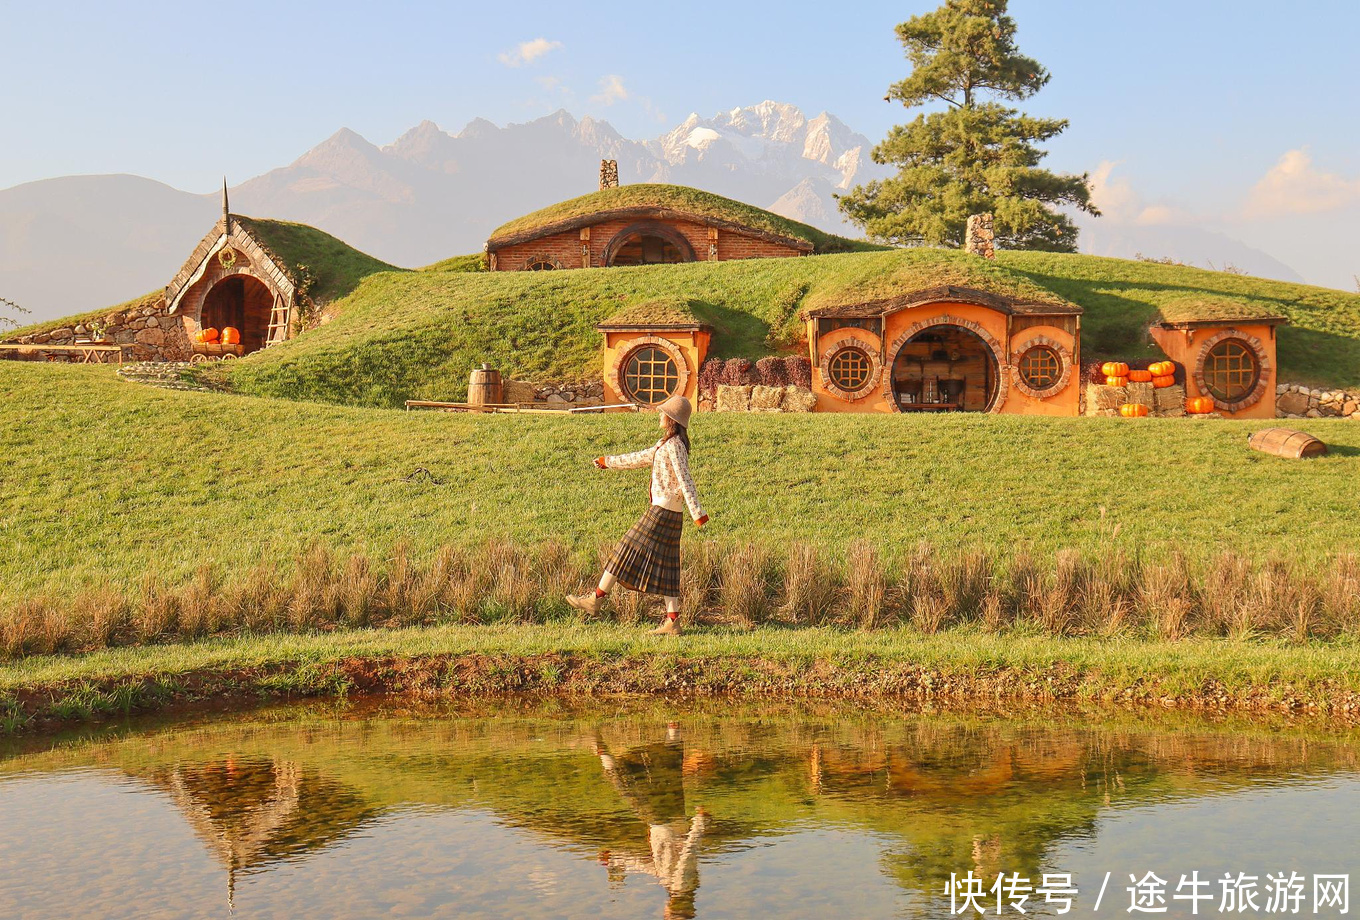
979 235
609 174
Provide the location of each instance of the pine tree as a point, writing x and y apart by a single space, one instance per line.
975 155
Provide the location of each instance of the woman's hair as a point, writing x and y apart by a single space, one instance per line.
674 429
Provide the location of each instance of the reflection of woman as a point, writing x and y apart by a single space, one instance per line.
648 557
650 780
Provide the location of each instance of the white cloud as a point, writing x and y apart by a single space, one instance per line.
611 91
1295 186
526 52
1120 204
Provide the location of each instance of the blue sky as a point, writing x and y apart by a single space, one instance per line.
1235 116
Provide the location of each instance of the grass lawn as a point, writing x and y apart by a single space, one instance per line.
405 335
105 480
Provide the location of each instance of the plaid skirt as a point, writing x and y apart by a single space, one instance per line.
647 559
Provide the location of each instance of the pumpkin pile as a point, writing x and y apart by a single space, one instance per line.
206 336
231 336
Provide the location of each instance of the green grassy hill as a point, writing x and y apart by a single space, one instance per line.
417 334
105 480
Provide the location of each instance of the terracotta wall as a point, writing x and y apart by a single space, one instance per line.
990 325
1186 348
565 248
691 347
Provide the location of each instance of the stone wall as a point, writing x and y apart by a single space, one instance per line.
554 394
1294 400
147 331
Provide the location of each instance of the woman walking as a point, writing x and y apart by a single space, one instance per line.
648 557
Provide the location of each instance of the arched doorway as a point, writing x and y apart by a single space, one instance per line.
648 243
243 302
945 367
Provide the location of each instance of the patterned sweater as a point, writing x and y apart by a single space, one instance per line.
671 482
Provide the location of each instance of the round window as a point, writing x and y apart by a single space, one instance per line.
1231 370
650 376
541 264
1041 367
850 369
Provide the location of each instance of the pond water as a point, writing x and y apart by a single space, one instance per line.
632 810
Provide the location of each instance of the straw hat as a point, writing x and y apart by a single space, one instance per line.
678 409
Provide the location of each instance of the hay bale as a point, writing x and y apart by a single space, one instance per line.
517 391
733 398
798 399
1099 396
1140 393
766 399
1172 397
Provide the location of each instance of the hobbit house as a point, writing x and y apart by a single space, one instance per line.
648 224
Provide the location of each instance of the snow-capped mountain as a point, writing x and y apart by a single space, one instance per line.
427 195
81 242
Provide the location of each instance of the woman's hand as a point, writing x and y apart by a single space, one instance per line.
701 521
599 462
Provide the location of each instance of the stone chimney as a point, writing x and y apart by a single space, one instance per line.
978 237
609 174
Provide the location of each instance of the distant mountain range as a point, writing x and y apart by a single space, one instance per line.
81 242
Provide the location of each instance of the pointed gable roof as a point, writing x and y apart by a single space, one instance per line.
237 233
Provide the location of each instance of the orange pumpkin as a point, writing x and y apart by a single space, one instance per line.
231 336
1140 376
207 335
1114 369
1199 405
1112 381
1166 381
1162 369
1133 410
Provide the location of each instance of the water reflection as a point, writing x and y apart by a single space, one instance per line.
623 813
254 811
650 778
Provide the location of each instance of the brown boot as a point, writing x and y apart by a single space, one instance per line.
586 603
669 627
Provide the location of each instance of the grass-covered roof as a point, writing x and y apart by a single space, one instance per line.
678 199
656 312
1201 309
335 267
932 274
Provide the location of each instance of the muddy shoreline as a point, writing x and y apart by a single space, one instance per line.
570 675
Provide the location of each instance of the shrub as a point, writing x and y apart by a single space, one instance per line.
738 372
798 371
809 586
866 584
710 376
772 372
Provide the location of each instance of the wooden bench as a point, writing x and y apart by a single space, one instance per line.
510 407
90 353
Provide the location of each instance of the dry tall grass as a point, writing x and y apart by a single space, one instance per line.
501 581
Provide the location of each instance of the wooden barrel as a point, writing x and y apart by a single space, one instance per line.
484 386
1287 442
